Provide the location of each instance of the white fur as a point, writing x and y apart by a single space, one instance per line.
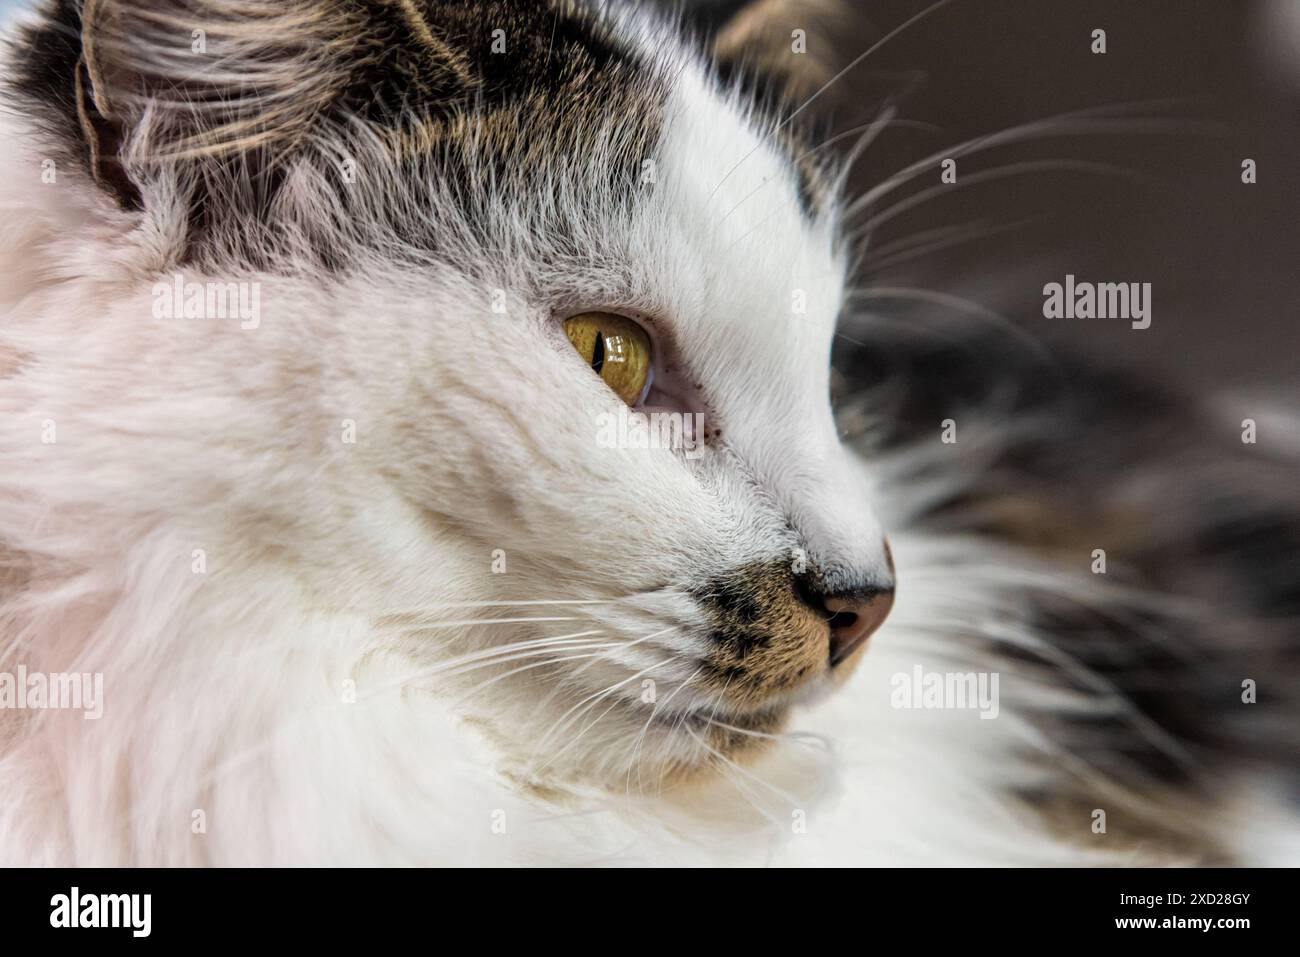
330 563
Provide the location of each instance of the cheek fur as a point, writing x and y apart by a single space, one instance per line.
763 640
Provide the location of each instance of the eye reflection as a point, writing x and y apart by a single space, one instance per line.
616 348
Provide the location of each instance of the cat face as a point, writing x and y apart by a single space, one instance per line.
474 268
707 565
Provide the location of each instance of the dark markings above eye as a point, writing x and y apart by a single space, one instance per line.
598 352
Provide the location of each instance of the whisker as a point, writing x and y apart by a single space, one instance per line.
869 133
865 128
798 737
1092 121
577 737
1013 169
873 130
486 656
533 653
631 644
233 761
791 800
862 56
672 731
503 603
933 240
564 719
470 622
678 723
953 302
646 727
870 50
594 699
625 645
553 660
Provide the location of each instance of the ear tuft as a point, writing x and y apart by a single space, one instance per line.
168 82
787 47
191 78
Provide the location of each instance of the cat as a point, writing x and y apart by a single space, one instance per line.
313 311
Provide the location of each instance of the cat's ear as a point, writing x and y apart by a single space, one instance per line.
211 81
789 48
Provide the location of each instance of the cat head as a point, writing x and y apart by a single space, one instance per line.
389 288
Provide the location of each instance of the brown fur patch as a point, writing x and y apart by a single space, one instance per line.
765 639
759 37
515 86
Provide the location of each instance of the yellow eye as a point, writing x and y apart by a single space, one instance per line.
616 348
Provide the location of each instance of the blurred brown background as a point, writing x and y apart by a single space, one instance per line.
1223 257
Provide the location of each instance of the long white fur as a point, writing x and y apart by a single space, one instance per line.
333 567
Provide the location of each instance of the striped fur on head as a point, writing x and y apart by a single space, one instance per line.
230 104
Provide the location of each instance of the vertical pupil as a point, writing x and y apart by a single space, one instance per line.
598 353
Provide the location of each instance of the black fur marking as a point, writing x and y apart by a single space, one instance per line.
44 68
734 599
434 82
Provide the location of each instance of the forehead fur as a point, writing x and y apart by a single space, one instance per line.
290 132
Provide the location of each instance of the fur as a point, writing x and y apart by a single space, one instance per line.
347 680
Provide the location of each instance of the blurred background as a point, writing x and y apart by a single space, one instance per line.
1210 83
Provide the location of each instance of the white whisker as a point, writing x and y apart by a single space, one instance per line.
935 240
502 603
578 655
485 656
1001 172
785 796
952 302
646 727
1078 123
470 622
858 59
631 644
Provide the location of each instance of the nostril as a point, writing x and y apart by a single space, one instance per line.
852 621
842 619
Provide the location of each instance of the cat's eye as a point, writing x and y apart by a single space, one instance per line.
616 348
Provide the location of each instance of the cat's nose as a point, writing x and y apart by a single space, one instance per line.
856 616
854 619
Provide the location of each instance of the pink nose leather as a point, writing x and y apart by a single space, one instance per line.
853 622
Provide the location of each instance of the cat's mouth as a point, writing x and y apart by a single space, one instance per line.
696 740
769 647
671 681
771 633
